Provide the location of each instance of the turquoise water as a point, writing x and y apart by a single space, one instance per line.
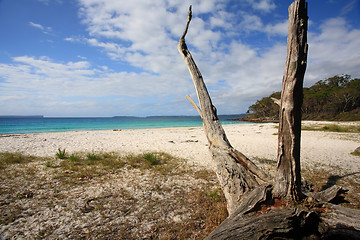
20 125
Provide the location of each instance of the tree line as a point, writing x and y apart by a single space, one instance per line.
335 98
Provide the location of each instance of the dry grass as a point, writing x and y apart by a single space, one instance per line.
115 196
323 177
107 196
333 128
13 158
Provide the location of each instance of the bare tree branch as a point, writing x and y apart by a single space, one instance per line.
236 173
194 105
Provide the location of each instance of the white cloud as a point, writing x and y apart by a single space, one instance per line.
144 34
349 7
72 39
254 23
263 5
35 25
45 30
333 50
41 83
280 28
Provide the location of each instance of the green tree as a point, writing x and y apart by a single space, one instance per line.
327 99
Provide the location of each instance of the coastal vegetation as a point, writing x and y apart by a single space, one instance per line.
102 195
123 196
355 128
335 98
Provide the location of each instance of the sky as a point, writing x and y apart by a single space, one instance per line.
100 58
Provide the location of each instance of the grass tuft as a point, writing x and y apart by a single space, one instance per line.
61 154
86 166
158 161
80 167
151 158
93 156
74 157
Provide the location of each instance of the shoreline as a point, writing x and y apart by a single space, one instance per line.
255 140
223 123
42 125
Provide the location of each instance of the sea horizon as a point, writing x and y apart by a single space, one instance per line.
17 124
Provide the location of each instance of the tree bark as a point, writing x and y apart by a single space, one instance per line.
288 173
236 173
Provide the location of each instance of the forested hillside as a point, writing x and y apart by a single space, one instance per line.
336 98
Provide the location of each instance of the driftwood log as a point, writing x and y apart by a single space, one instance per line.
260 208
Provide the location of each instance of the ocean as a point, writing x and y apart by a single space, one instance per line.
40 124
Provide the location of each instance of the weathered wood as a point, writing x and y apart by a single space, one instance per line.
194 105
327 195
339 222
280 223
288 173
325 222
276 101
236 173
258 217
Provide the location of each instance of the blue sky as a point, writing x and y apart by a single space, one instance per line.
117 57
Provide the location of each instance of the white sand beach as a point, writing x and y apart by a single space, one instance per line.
37 201
190 143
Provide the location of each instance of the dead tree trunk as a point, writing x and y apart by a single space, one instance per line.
236 173
254 213
288 174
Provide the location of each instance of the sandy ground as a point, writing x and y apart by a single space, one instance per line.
254 140
129 203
